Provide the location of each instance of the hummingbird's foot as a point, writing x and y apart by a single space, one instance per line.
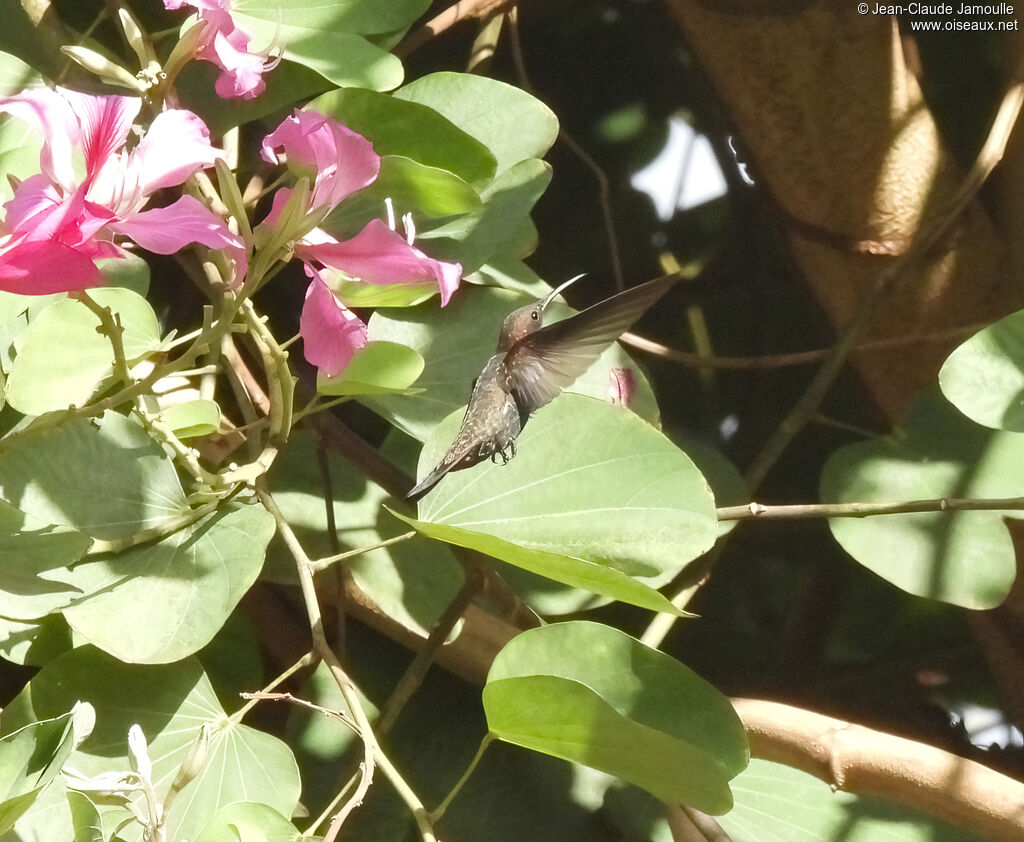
506 453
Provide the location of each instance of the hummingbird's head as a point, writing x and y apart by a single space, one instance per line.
528 319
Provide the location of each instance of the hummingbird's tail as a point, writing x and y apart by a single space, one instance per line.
428 482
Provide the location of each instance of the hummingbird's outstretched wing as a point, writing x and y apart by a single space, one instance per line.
543 363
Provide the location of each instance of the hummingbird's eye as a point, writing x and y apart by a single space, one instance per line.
535 315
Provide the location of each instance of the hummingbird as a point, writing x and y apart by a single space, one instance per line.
532 365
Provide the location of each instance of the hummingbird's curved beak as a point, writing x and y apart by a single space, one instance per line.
547 299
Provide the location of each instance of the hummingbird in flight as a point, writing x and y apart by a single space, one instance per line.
532 365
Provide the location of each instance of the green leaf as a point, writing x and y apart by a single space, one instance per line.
34 556
315 35
966 558
128 271
365 18
198 417
271 824
984 377
356 294
456 341
378 368
497 229
507 120
32 756
160 602
85 818
775 803
170 703
108 479
425 192
591 694
595 496
409 130
62 359
412 582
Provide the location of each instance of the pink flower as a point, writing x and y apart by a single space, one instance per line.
58 223
227 46
339 161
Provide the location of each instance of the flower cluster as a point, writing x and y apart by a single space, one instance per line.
339 162
58 222
227 46
93 188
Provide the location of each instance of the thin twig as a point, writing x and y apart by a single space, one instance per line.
753 511
304 661
323 563
768 361
373 755
413 676
456 13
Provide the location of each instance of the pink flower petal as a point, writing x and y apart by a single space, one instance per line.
176 145
331 334
41 267
105 122
53 116
243 70
167 230
341 160
378 255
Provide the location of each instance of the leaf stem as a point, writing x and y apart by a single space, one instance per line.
439 811
324 563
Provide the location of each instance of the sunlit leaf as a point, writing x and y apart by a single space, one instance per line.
62 359
507 120
106 478
33 755
380 367
175 594
591 694
594 497
170 703
984 377
270 824
192 418
417 132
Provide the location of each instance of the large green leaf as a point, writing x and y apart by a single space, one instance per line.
174 594
317 35
507 120
62 359
501 228
592 694
966 558
594 497
32 756
412 582
456 341
409 130
984 377
107 478
34 557
170 703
